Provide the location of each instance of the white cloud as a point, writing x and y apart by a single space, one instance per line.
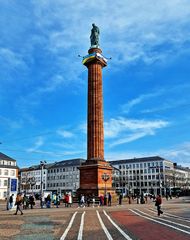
116 126
65 133
72 153
134 29
51 85
11 62
57 154
129 138
38 143
167 105
127 107
179 154
49 35
124 130
110 156
172 96
64 145
60 31
10 58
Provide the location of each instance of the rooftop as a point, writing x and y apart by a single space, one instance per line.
139 160
63 163
68 163
5 157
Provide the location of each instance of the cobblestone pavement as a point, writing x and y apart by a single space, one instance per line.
132 221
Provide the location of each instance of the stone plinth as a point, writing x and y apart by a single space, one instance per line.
91 181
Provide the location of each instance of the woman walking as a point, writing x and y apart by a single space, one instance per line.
158 203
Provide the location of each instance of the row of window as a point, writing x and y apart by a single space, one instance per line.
142 177
37 187
63 177
138 184
140 165
61 184
56 170
32 173
10 163
6 172
152 170
34 179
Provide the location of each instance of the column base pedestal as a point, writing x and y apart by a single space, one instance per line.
91 181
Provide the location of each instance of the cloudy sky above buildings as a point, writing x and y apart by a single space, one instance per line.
43 85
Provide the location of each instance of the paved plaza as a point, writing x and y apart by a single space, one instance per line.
134 221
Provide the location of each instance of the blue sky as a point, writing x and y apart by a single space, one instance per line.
43 94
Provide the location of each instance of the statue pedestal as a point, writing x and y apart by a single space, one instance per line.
91 178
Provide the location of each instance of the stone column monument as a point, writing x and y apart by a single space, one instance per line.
95 173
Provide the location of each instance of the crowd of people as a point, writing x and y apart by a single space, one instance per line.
24 202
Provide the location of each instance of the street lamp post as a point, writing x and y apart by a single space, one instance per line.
42 164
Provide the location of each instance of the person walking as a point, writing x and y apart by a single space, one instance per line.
82 200
11 202
101 200
158 203
70 201
67 200
57 201
25 202
18 204
129 198
79 200
120 199
48 201
31 201
42 200
146 198
109 199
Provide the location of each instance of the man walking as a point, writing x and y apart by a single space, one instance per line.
120 198
18 204
109 199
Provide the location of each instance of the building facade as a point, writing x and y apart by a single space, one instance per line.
178 179
8 170
33 180
153 175
64 176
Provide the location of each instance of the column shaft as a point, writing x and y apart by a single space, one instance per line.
95 132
